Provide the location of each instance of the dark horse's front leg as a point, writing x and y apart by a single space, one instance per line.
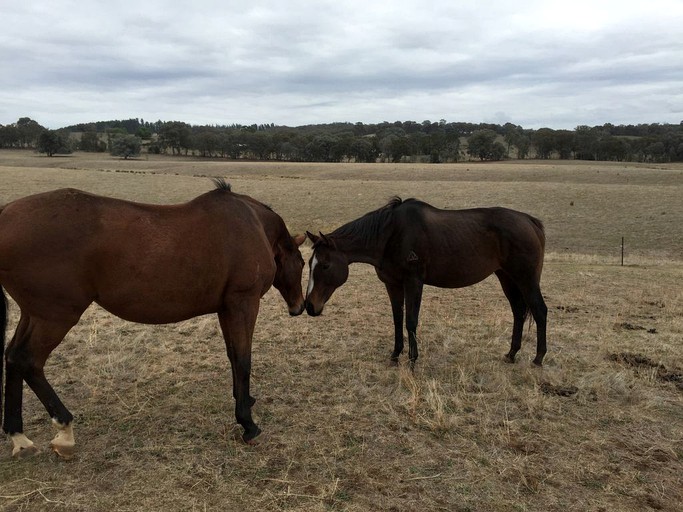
413 293
397 297
237 323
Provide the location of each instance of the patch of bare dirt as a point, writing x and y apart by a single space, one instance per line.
664 374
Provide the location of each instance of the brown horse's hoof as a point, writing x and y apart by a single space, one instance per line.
65 452
25 452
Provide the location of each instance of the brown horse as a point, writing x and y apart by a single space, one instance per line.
412 244
62 250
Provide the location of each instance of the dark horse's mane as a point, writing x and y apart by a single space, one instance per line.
370 226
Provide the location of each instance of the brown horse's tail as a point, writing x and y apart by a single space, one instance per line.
3 327
540 229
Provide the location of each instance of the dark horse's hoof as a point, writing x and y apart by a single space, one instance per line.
538 363
252 438
509 359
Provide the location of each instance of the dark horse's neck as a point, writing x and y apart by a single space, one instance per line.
363 240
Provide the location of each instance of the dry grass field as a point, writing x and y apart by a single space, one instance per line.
599 427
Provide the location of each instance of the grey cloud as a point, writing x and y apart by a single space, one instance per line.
300 62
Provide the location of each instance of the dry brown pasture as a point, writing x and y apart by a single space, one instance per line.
599 427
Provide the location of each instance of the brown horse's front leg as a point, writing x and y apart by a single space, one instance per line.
237 323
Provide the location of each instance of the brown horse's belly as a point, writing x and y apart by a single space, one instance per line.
181 294
154 313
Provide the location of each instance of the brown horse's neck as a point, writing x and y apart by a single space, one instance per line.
275 229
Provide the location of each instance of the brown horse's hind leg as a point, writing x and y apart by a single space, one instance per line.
519 311
26 358
237 323
13 424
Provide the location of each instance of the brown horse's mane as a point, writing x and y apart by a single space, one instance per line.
221 184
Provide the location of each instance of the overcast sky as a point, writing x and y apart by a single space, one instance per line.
534 63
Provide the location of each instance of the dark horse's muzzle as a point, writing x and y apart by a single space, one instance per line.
310 309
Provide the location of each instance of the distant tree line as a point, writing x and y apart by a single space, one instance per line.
347 142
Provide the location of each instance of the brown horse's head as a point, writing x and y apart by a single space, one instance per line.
329 269
290 265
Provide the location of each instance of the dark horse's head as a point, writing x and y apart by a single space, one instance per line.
290 265
329 269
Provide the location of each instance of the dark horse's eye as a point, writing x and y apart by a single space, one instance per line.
325 266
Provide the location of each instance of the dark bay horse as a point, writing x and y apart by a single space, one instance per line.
411 244
62 250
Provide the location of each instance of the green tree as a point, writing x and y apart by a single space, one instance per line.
126 146
144 133
206 142
53 142
90 141
9 136
586 141
176 135
29 131
400 147
363 149
498 151
564 143
523 145
481 144
319 149
544 141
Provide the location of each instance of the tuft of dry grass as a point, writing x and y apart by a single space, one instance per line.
597 428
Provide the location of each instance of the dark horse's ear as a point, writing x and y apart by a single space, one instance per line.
327 241
313 238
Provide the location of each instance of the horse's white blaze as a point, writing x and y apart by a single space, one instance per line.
314 262
20 442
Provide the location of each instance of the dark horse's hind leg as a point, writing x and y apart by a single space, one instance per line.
539 310
237 323
413 291
397 298
519 310
31 345
523 300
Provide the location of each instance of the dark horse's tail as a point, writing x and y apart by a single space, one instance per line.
3 327
540 233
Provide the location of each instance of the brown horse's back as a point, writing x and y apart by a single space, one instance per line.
62 250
